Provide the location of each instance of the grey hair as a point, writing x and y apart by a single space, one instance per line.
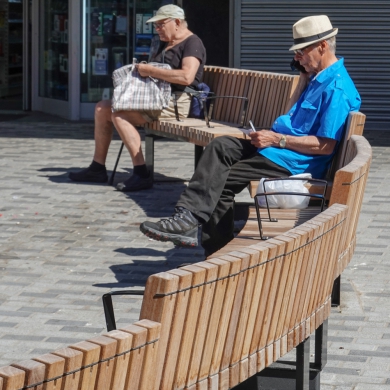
183 23
332 44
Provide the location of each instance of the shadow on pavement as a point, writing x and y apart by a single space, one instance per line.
132 275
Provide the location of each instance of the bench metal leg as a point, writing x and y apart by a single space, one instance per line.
336 292
149 153
198 154
116 164
321 346
303 365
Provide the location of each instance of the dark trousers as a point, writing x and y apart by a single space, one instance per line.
226 167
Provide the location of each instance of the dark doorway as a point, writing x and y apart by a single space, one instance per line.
14 19
209 19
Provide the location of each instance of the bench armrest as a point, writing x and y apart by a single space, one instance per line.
320 196
208 113
109 308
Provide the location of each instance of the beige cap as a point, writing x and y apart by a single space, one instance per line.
312 29
167 11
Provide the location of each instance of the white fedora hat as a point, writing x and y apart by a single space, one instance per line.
312 29
167 11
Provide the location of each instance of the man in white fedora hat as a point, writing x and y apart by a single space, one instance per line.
303 140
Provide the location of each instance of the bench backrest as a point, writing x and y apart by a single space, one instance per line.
354 126
210 325
348 188
118 360
224 319
268 94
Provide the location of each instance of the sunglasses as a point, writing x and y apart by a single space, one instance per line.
301 52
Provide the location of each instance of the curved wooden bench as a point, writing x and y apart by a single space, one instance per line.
214 324
210 325
267 93
348 188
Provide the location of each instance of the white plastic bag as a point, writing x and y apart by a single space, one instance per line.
284 201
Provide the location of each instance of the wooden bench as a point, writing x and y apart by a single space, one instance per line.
347 188
216 323
267 94
210 325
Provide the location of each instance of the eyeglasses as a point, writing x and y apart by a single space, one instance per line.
301 52
161 25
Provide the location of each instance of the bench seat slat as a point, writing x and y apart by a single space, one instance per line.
204 318
227 308
216 310
189 324
177 327
91 353
73 360
121 363
139 335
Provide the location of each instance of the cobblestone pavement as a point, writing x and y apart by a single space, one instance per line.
63 245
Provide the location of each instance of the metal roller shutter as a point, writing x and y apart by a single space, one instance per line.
263 35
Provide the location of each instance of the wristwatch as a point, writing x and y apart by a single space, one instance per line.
282 142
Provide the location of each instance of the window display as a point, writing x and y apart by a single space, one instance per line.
113 33
53 50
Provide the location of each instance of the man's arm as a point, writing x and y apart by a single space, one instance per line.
308 144
184 76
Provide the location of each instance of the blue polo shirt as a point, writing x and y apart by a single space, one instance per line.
322 111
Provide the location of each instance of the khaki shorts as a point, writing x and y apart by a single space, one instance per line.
183 107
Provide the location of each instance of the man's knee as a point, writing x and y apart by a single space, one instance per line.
222 144
224 141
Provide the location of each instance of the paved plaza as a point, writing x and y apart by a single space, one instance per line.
64 244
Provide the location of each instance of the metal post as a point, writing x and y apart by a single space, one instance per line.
26 55
303 365
116 164
149 153
321 346
198 154
336 292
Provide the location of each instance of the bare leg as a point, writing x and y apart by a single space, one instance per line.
125 122
103 130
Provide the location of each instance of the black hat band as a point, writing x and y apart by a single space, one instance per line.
297 41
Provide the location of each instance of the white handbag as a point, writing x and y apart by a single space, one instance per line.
132 92
287 201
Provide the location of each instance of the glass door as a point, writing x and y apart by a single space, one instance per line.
11 54
113 33
53 50
106 45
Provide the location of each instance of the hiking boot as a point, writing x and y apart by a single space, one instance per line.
90 176
181 228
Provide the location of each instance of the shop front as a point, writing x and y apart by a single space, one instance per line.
80 44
